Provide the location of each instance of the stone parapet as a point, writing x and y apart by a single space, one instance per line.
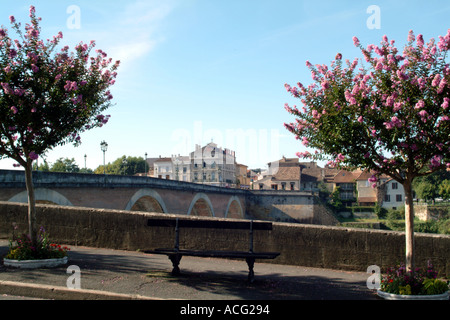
300 244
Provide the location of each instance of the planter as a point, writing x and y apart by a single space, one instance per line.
34 264
392 296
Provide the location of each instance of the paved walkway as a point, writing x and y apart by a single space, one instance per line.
114 274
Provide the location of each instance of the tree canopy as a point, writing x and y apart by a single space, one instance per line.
390 116
48 97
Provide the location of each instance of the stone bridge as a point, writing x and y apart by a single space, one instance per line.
163 196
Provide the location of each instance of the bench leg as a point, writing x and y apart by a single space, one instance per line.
175 258
251 273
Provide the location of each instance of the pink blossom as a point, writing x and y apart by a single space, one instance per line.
340 157
325 85
305 141
12 19
423 114
411 36
442 85
356 41
446 103
33 156
420 41
14 109
379 66
436 80
435 161
360 119
420 104
338 56
303 155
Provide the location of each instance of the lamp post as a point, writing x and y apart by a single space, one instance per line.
85 168
145 159
104 147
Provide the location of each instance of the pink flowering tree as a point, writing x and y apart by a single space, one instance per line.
389 114
48 97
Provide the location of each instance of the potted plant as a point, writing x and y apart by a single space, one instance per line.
400 284
23 253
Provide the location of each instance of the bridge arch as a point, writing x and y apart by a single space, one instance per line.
234 209
201 206
147 200
43 195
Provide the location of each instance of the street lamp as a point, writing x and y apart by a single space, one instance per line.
104 147
146 172
85 156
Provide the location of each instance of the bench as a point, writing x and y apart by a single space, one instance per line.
175 254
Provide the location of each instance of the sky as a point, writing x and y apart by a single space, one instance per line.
196 71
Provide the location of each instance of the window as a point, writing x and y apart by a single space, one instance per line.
283 186
261 186
167 177
292 185
274 187
387 197
213 176
398 198
184 169
394 185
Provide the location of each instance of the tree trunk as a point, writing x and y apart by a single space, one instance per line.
32 228
409 226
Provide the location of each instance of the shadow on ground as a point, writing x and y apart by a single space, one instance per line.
148 275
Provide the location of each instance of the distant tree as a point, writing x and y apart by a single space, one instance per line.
123 166
391 116
65 165
427 187
48 97
44 167
335 201
444 189
426 190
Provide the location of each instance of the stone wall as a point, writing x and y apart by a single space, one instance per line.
288 206
299 244
427 213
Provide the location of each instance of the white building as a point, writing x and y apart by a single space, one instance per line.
213 165
163 169
181 168
392 194
175 168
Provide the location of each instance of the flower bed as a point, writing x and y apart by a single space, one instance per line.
422 282
22 248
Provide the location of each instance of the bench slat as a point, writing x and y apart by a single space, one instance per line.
217 254
218 224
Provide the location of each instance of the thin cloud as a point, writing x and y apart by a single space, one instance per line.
129 35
